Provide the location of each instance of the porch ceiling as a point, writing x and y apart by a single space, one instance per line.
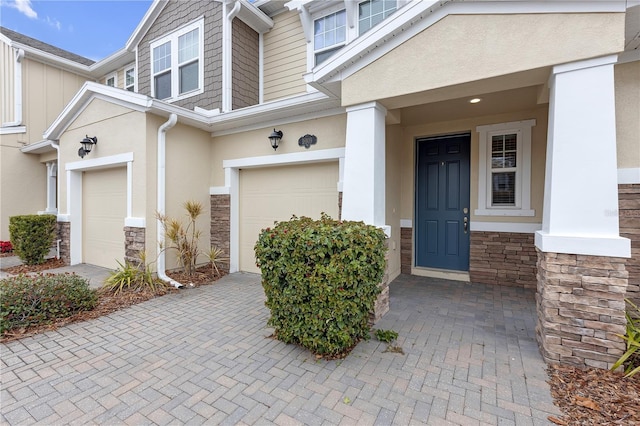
453 109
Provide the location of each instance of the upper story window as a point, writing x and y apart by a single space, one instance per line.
112 80
130 79
504 175
177 63
372 12
329 35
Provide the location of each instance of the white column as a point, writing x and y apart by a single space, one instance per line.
363 196
580 213
52 171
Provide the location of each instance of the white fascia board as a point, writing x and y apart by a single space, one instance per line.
419 15
87 92
111 63
38 147
49 58
322 155
147 20
254 17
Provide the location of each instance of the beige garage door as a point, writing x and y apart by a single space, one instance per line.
276 193
104 207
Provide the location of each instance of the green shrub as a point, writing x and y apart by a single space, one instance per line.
32 236
184 238
133 277
321 279
27 301
631 358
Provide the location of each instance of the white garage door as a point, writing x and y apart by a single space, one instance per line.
276 193
104 206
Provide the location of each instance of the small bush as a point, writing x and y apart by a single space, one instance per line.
133 277
27 301
32 236
5 246
184 238
387 336
321 279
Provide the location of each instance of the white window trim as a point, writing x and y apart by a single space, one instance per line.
523 173
135 78
175 77
113 75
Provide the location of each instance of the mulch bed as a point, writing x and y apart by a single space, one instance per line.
107 301
593 396
52 263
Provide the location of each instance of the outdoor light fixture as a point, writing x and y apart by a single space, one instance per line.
87 143
275 138
474 100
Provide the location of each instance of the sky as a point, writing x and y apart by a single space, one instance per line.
91 28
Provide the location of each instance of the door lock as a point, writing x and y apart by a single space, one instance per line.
466 224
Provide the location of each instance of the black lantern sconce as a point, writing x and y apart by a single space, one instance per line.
307 140
275 138
87 143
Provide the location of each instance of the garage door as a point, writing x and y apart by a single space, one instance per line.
104 206
276 193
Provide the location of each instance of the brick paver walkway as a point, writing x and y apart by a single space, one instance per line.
204 356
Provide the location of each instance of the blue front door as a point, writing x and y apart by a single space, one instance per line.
442 202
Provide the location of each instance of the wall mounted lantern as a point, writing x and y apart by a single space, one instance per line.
275 138
87 143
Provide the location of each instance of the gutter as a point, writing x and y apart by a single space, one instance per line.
162 166
17 91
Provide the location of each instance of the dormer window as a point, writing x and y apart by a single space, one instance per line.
329 35
372 12
177 65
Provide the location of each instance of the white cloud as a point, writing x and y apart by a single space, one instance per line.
24 7
54 23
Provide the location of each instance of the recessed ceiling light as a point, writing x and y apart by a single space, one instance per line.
474 100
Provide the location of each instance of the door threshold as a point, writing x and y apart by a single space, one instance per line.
445 274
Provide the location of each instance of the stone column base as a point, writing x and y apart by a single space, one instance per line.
134 244
64 235
581 309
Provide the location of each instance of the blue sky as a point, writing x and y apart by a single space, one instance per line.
90 28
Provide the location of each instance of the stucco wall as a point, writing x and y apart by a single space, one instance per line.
19 174
330 132
245 58
464 48
628 114
285 57
175 15
393 197
538 160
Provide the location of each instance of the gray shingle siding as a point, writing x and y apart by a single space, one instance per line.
175 15
245 65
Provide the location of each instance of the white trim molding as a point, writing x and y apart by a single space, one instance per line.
135 222
406 223
629 175
13 130
522 205
519 228
232 186
74 196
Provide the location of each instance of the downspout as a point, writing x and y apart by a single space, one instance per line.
17 91
227 46
56 146
162 166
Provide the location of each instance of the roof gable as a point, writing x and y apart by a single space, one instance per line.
44 47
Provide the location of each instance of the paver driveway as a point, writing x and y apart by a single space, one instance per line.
204 356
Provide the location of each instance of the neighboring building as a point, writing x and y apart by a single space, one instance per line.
520 186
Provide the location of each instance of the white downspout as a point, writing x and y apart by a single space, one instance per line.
17 91
227 89
162 157
56 146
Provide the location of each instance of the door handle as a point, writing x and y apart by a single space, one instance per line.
466 224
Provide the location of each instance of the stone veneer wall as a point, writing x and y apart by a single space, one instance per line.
406 250
134 244
64 235
221 226
503 258
629 208
580 303
382 302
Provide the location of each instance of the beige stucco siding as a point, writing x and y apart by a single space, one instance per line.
187 179
393 196
7 82
628 114
330 132
46 91
285 57
19 173
538 159
465 48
